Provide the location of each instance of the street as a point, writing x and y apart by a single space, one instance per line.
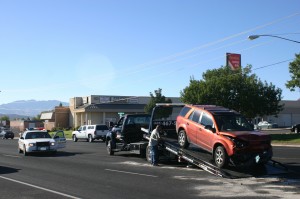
84 170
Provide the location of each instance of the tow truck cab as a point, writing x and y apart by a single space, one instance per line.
127 135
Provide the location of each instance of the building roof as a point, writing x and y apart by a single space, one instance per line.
47 116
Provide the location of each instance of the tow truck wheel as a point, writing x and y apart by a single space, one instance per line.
109 149
220 157
182 139
74 138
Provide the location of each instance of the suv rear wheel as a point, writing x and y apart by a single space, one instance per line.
90 139
74 138
220 157
182 139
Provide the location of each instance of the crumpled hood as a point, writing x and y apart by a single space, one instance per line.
247 135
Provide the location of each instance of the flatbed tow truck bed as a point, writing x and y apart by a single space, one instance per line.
202 159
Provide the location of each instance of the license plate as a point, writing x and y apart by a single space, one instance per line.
43 148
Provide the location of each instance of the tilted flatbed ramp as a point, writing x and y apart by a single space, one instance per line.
203 160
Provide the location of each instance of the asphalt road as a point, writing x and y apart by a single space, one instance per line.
84 170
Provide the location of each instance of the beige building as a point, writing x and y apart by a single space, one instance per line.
57 118
103 109
288 116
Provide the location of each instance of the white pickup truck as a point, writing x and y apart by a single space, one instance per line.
90 132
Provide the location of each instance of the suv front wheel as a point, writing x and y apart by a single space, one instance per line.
220 157
182 139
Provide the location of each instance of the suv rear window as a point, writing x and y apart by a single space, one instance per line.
184 111
101 127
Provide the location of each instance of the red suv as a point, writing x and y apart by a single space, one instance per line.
225 133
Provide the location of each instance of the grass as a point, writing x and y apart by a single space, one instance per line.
285 138
68 134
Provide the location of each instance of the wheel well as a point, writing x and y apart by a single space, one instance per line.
181 128
216 145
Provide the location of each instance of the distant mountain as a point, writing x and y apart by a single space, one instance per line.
28 108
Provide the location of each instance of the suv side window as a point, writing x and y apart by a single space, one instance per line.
92 127
206 120
184 111
83 128
195 116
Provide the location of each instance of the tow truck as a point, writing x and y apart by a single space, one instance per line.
135 138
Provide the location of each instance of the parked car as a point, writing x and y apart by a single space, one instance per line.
90 132
295 128
266 125
5 134
36 141
224 133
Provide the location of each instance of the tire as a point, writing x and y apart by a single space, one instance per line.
148 154
220 157
25 153
90 138
109 149
296 130
182 139
75 139
19 150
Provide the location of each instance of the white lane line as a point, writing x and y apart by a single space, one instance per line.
13 156
141 174
37 187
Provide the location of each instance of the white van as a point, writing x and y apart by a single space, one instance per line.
90 132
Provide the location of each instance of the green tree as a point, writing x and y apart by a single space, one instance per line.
4 118
239 90
37 118
158 98
294 69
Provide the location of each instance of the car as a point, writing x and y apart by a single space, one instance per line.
266 125
5 134
37 141
224 133
295 128
90 132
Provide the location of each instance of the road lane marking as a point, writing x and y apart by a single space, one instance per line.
12 156
141 174
41 188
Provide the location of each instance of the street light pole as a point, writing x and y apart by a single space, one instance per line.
252 37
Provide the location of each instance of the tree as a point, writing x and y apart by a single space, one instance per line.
158 98
239 90
37 118
294 69
4 118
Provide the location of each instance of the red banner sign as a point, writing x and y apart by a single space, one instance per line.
233 60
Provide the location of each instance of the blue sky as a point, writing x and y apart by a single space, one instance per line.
59 49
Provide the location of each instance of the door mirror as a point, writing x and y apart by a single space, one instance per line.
209 127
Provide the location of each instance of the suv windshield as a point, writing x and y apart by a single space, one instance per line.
232 122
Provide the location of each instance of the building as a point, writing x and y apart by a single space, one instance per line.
57 118
18 126
104 109
289 116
